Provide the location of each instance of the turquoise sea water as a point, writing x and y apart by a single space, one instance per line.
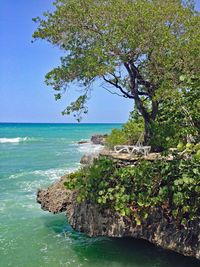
34 156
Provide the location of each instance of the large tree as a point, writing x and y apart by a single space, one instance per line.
140 48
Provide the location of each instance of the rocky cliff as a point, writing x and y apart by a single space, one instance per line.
86 218
98 139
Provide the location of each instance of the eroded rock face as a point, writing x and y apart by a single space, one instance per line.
86 218
88 159
98 139
54 199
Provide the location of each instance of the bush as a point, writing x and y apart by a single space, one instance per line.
134 191
164 136
133 130
129 134
117 137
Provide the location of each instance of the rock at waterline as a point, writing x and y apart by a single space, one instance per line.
88 159
85 217
98 139
82 142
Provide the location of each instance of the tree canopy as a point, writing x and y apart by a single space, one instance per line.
139 48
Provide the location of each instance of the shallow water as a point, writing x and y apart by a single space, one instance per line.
34 156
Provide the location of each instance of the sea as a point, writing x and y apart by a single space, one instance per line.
35 156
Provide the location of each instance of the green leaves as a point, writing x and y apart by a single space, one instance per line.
134 191
100 37
79 199
117 137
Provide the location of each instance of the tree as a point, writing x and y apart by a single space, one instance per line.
138 47
178 120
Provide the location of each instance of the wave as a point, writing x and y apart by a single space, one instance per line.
29 182
89 148
13 140
18 140
51 174
38 139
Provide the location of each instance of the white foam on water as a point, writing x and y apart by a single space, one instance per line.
17 140
41 178
15 176
89 148
53 174
13 140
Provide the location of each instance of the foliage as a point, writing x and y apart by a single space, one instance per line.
165 135
139 48
117 137
133 191
130 132
179 118
133 128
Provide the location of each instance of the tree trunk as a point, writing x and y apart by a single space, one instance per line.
147 134
147 118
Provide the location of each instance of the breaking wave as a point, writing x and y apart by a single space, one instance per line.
13 140
17 140
89 148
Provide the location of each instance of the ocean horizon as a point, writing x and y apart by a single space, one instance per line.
62 123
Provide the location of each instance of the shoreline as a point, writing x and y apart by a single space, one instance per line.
86 218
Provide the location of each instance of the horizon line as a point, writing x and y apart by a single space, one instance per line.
62 122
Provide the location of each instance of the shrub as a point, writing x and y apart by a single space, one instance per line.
164 136
133 129
129 134
133 191
117 137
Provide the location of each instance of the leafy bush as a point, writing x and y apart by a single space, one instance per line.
133 191
178 118
133 129
165 135
117 137
130 132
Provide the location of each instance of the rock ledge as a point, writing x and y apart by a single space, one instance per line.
86 218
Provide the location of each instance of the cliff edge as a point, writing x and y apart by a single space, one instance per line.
86 218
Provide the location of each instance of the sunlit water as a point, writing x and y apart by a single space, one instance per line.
34 156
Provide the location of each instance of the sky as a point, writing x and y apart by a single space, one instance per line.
24 97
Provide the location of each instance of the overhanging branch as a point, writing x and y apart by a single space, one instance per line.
116 84
113 93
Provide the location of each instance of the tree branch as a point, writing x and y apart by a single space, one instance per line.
116 84
113 93
134 91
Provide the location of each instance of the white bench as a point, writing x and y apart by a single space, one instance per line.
144 150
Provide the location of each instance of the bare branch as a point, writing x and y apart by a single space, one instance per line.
113 93
116 84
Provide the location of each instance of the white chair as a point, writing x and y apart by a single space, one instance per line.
138 148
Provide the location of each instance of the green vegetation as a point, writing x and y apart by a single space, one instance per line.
178 120
130 132
117 137
149 52
133 191
140 49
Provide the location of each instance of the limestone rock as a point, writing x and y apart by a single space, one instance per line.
82 142
98 139
86 218
88 159
54 199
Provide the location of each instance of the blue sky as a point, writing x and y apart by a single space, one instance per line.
24 96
